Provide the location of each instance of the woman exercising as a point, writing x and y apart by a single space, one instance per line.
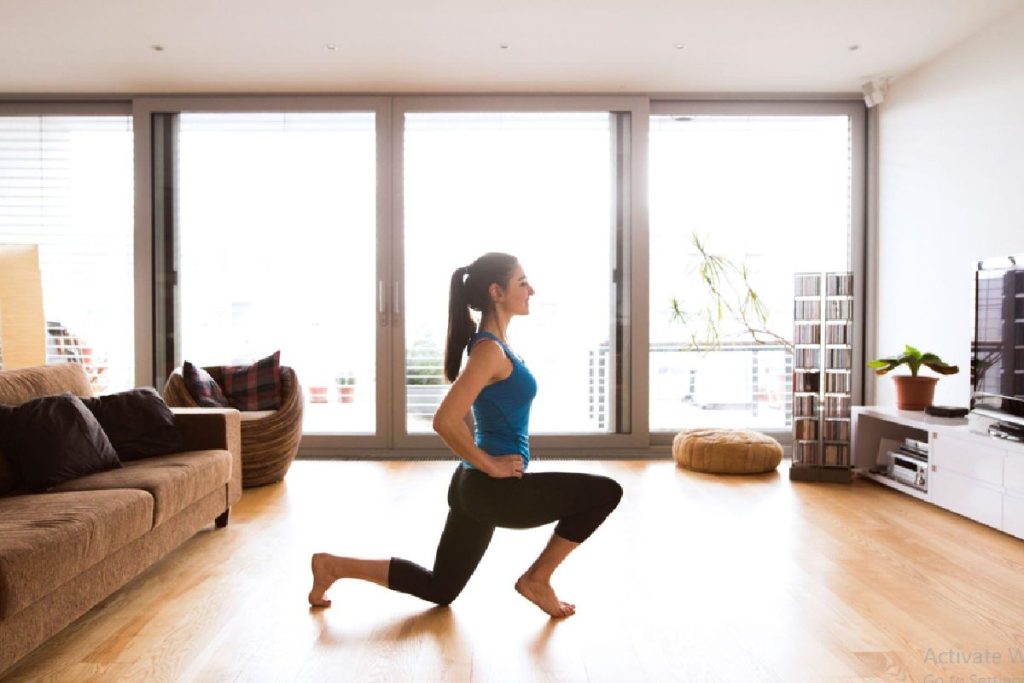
490 488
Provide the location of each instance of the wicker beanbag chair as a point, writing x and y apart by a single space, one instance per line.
726 451
270 438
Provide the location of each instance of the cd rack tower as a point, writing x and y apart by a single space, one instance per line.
822 376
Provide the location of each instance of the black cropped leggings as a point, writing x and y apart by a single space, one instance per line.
479 503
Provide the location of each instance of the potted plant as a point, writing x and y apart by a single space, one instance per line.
913 392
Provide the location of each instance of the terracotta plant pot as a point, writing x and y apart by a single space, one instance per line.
914 393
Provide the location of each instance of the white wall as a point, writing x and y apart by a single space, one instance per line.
951 191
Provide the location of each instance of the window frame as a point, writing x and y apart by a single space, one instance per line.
389 109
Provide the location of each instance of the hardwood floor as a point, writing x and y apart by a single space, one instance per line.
693 578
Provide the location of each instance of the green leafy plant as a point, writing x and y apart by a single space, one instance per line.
730 297
913 359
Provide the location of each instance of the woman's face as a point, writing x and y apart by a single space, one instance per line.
516 297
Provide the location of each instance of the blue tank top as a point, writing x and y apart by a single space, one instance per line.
502 409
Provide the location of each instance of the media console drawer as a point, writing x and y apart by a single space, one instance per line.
967 497
1013 515
971 458
1013 477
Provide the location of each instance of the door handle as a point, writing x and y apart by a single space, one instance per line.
396 301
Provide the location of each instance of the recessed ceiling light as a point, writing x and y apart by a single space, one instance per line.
331 46
853 48
157 48
679 46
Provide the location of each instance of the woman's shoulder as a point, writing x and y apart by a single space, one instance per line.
490 356
485 344
484 337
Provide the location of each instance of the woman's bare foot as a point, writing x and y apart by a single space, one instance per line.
543 595
322 580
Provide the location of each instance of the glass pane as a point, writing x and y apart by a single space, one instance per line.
771 196
66 186
538 186
277 239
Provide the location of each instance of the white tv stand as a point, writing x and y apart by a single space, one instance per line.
974 475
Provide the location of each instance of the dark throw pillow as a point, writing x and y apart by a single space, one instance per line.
8 470
54 439
256 386
203 387
138 423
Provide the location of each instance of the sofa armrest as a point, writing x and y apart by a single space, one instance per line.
214 429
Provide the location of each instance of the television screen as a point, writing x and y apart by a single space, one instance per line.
997 353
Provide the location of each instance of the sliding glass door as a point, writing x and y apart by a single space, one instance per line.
550 186
535 185
742 197
276 242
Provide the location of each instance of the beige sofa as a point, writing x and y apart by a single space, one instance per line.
65 550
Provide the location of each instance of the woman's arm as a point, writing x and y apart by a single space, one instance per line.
487 363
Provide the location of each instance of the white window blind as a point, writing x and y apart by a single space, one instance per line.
66 185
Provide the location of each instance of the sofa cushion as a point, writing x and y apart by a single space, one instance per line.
138 423
175 481
256 386
53 439
19 386
47 539
203 387
25 384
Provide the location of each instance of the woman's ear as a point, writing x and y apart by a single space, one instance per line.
496 291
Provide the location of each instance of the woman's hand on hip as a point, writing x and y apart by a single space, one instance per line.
506 466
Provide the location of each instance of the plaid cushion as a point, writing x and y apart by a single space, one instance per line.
203 387
256 386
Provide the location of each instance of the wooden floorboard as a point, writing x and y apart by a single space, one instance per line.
694 578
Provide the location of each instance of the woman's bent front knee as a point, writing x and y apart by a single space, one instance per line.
611 492
605 495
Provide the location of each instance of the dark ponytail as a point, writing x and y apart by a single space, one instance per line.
469 289
460 325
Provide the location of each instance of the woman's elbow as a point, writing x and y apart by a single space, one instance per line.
441 424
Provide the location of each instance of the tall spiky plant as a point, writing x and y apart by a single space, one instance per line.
731 297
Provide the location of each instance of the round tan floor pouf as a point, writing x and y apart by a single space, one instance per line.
726 451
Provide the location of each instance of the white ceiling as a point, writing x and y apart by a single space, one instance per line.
65 46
